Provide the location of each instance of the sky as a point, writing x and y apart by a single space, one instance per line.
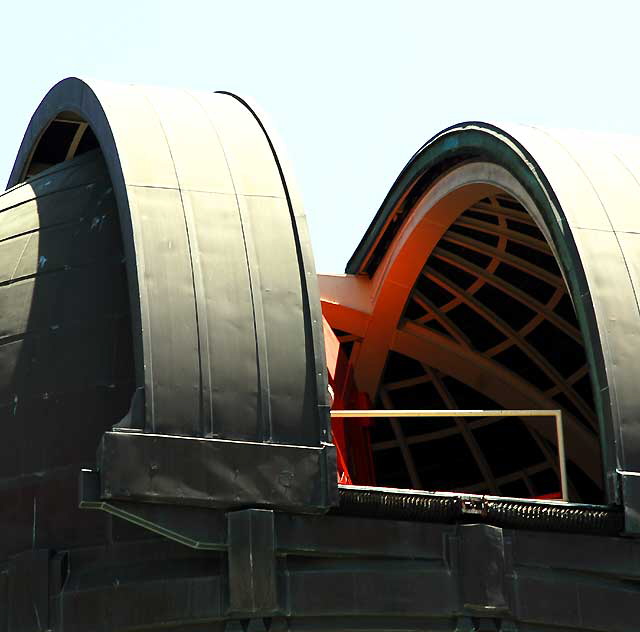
353 87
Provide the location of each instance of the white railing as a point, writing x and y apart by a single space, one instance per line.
557 414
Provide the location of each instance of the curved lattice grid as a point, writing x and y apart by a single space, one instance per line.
493 289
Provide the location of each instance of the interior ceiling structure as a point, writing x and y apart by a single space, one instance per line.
501 272
493 289
476 287
488 307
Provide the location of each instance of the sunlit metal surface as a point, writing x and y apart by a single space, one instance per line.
213 500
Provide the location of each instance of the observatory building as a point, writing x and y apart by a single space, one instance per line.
201 433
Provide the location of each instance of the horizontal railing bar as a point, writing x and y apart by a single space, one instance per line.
443 413
407 414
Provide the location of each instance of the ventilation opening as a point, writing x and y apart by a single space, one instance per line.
66 137
492 294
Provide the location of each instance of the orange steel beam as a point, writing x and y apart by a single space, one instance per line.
392 284
484 375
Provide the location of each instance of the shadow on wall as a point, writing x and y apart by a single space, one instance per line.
66 363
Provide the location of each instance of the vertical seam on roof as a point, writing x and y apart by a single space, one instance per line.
315 339
614 400
186 224
595 190
259 327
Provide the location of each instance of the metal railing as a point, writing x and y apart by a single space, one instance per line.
557 414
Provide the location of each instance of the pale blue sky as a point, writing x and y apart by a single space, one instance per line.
353 87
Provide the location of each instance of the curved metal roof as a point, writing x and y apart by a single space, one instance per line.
583 191
202 195
226 319
227 346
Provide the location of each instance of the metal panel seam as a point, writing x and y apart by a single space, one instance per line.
611 383
256 298
196 290
312 301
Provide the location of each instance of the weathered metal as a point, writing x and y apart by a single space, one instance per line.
227 336
160 306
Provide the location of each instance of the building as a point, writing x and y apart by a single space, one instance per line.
167 351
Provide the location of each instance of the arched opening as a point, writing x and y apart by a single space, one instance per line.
492 289
487 322
64 138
